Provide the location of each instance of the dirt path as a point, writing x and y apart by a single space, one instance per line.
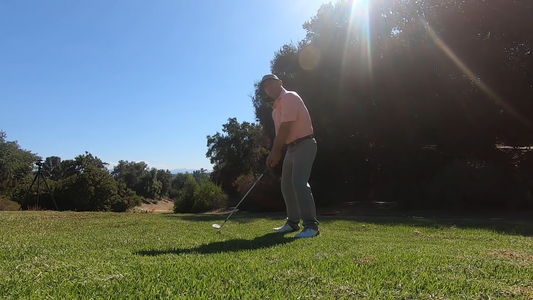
162 206
167 206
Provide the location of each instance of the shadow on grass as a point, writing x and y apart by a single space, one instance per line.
512 224
261 242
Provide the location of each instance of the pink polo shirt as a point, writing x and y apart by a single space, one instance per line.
289 107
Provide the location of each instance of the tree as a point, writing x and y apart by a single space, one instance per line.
149 187
240 149
165 177
52 168
185 201
383 78
94 190
15 163
179 181
80 163
201 176
132 174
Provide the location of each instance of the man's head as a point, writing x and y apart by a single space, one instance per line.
272 85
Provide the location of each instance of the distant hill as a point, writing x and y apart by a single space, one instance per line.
176 171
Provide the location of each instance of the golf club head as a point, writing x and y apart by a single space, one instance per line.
216 226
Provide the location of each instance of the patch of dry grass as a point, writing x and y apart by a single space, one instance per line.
511 254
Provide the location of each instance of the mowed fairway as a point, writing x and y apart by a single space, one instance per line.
69 255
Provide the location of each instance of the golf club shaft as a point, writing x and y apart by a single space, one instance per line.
236 206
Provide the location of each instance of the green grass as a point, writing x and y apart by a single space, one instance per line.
68 255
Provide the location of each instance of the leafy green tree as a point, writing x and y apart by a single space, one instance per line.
145 182
94 189
201 176
165 178
403 74
179 181
80 163
239 149
127 198
52 168
185 201
15 163
130 172
149 186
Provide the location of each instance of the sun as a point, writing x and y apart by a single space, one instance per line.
359 29
358 33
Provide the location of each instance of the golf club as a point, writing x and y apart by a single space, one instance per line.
220 226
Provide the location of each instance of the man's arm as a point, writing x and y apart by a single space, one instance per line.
281 137
275 155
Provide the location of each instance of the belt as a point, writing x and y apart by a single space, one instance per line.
297 141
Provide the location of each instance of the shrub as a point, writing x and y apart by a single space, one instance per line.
195 198
94 190
127 199
174 193
209 196
185 201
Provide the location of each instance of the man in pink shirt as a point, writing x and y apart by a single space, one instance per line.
294 129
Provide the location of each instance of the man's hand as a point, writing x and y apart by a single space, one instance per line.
273 159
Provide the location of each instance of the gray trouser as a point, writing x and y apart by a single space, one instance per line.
296 191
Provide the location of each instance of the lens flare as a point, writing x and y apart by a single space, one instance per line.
309 58
464 68
358 33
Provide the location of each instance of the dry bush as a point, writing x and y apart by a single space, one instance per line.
265 196
7 205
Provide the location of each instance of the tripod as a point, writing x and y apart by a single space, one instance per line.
38 177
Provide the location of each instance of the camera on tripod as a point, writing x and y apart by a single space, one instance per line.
39 163
38 177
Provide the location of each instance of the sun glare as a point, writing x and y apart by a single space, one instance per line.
357 47
359 28
358 35
468 72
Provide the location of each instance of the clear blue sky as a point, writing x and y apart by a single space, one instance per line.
136 80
